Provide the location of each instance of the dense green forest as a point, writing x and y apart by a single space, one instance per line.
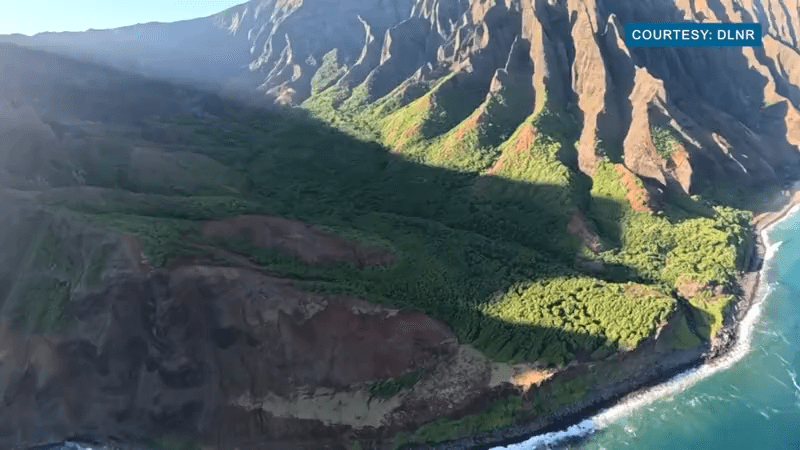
490 225
475 211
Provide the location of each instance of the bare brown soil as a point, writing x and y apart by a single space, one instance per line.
475 119
680 166
299 239
687 288
134 253
526 137
523 144
531 378
410 131
638 197
238 355
578 227
451 144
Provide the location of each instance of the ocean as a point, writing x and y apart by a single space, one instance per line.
748 400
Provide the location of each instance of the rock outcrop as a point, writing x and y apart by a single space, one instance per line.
228 353
748 97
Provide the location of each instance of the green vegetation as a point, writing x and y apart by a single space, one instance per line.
500 414
700 249
97 264
399 97
461 148
105 163
490 255
611 151
684 336
403 127
390 388
475 197
472 145
593 313
474 204
732 194
323 104
531 156
553 396
47 277
606 183
341 107
329 71
692 244
190 208
665 139
173 442
709 312
430 116
163 240
506 107
358 97
43 305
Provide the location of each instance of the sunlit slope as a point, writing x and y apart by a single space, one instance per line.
462 236
188 230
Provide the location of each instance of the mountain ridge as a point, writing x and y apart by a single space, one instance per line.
536 217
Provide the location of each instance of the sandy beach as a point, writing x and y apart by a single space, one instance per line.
750 280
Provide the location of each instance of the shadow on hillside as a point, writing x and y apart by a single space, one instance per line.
706 85
299 165
485 233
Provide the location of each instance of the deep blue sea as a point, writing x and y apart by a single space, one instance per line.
749 401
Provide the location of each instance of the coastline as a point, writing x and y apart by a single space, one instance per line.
575 422
750 280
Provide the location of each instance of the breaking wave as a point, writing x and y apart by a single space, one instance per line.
681 381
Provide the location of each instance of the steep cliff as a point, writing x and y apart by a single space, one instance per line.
732 111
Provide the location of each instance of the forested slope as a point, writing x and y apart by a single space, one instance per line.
470 217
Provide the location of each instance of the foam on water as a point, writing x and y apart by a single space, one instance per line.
76 446
747 328
69 445
546 441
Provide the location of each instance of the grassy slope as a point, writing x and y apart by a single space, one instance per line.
480 238
486 251
691 241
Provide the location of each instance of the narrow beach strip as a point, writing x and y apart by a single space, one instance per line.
755 291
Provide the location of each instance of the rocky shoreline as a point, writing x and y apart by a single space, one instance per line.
649 366
665 368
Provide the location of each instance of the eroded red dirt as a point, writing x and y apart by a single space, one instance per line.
577 226
526 137
638 197
134 253
301 240
524 142
181 349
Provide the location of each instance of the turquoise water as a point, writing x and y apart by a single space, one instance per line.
750 401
